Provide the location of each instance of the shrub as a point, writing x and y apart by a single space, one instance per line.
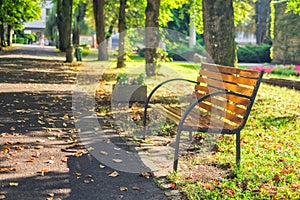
20 40
285 71
250 53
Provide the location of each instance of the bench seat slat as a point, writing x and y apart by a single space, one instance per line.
226 86
228 78
224 103
231 70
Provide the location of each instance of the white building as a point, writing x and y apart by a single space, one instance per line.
40 25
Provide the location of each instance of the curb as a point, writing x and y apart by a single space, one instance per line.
290 83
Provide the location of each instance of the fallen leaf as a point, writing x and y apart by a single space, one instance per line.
117 160
79 153
103 153
13 184
64 159
114 174
101 166
50 194
31 159
5 169
43 171
146 174
123 188
135 188
20 148
230 191
173 185
37 154
13 153
50 161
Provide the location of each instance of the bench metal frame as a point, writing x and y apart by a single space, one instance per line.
180 127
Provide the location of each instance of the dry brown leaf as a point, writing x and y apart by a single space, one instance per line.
146 174
31 159
64 159
101 166
114 174
13 184
117 160
123 188
20 148
173 185
135 188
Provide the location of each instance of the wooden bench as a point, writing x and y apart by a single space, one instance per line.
224 98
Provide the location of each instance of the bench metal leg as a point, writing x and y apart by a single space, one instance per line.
238 147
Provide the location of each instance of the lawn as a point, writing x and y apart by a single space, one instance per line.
270 165
270 145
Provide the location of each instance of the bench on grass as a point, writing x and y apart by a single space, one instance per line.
223 100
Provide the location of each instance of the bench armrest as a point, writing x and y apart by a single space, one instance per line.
155 89
186 113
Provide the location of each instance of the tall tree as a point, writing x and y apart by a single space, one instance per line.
262 21
122 33
219 31
64 18
14 13
78 21
98 7
152 36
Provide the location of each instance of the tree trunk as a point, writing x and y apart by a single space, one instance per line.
68 23
122 33
2 35
98 6
152 36
192 39
64 8
262 20
79 18
10 31
219 31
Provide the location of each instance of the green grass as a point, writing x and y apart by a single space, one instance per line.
270 165
270 147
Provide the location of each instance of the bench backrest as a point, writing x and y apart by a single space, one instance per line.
231 110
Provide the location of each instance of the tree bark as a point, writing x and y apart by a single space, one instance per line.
68 23
262 20
219 31
98 6
122 34
79 18
152 36
10 30
2 35
64 8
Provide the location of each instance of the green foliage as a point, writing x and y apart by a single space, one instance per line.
124 79
250 53
285 71
19 11
20 40
181 51
294 6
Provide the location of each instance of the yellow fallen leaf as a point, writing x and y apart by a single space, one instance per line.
114 174
13 184
123 188
31 159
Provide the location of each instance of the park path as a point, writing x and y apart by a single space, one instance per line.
40 156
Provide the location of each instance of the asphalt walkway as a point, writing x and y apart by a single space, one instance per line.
40 153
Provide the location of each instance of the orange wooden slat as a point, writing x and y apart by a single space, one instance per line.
230 70
228 78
